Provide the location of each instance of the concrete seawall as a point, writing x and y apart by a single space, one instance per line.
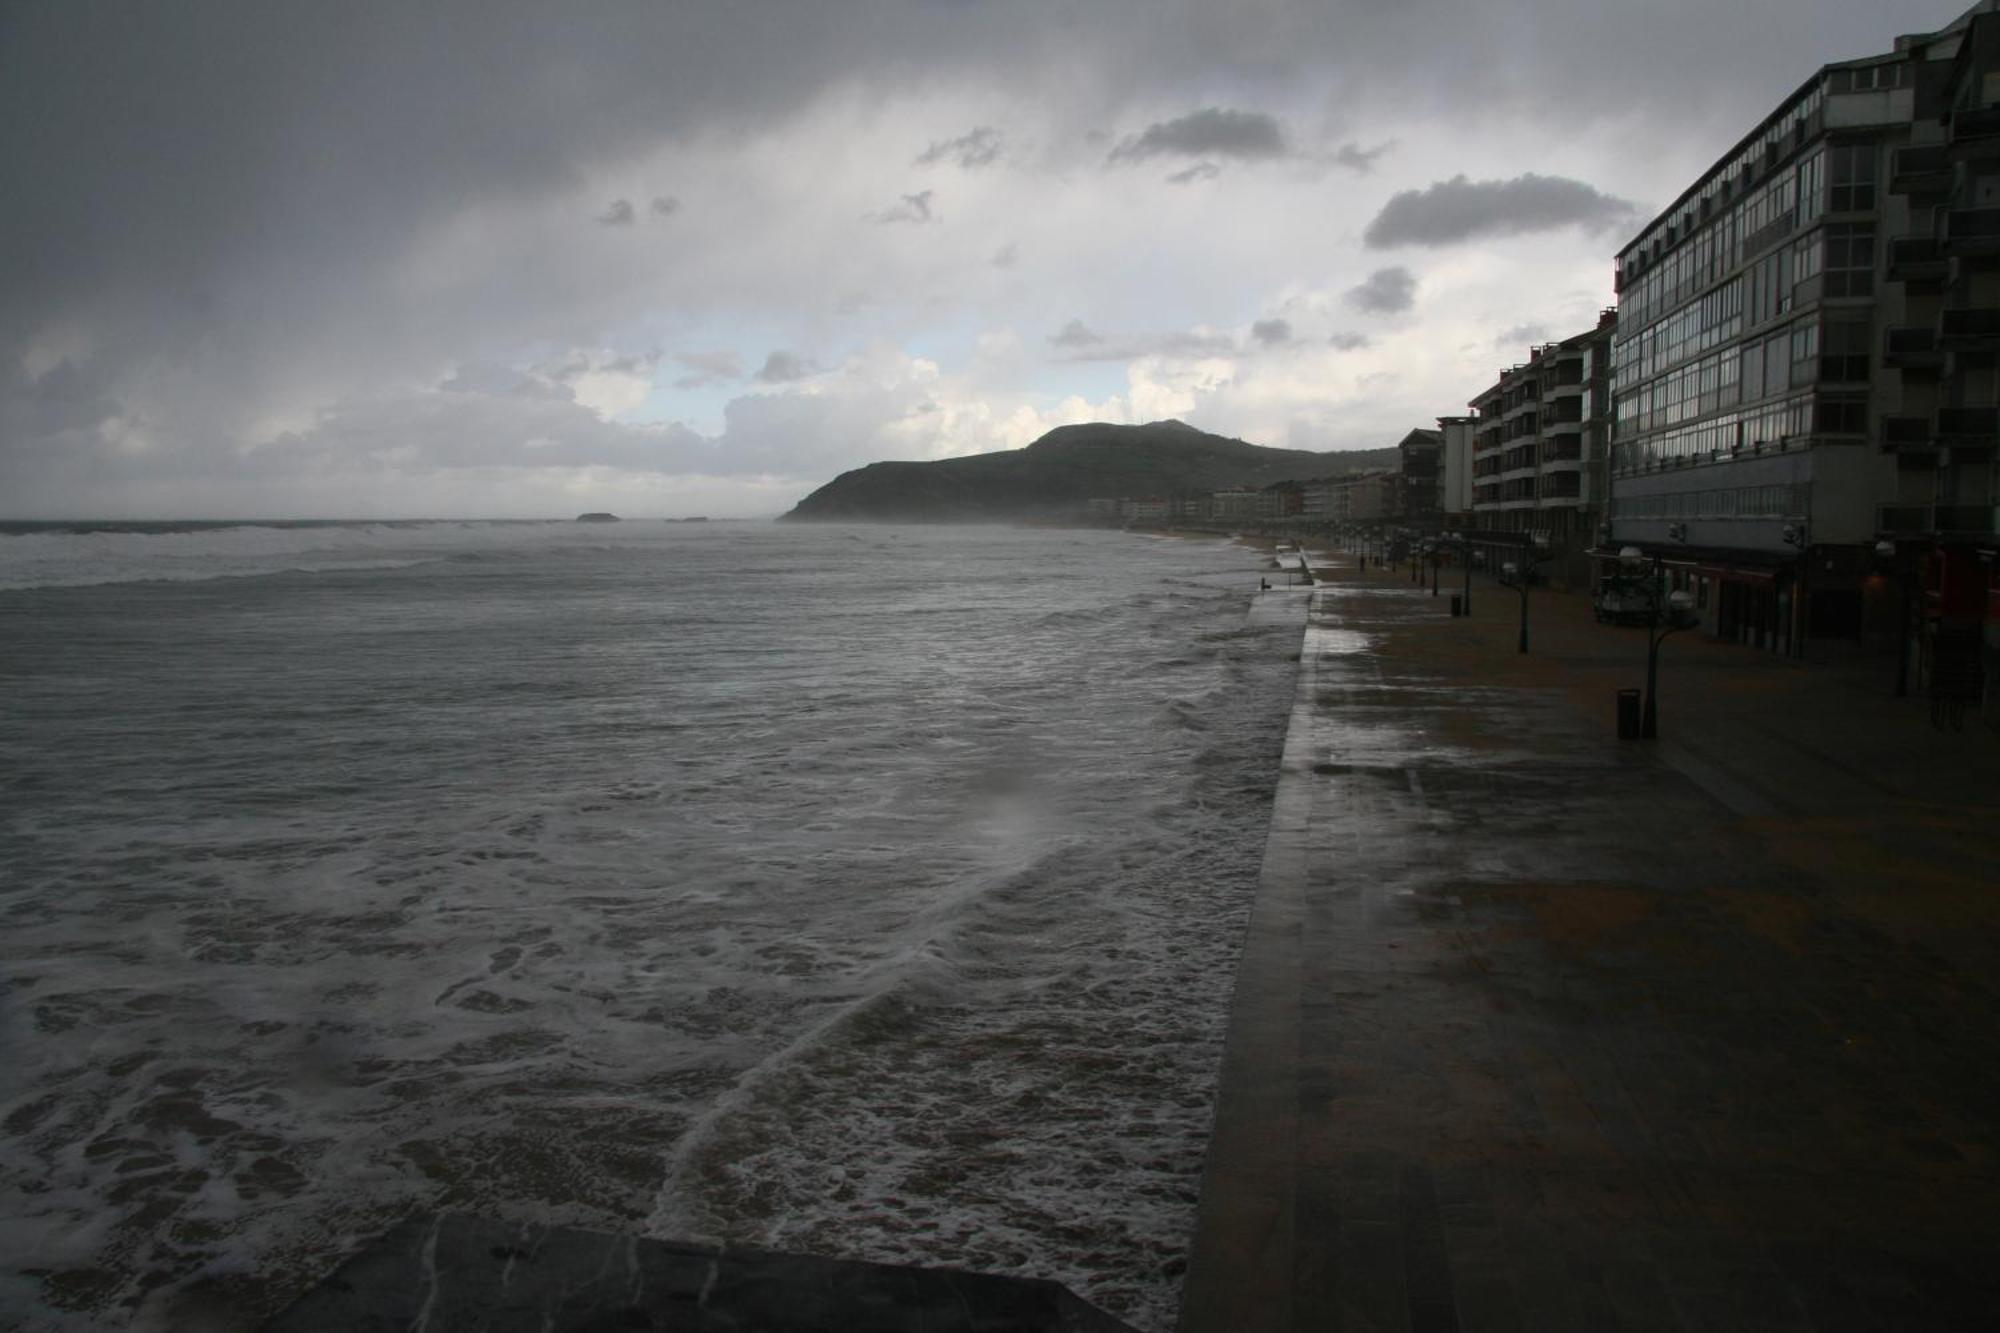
1537 1029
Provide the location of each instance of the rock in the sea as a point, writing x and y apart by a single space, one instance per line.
597 518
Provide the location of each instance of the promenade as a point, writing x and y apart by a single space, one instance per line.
1538 1029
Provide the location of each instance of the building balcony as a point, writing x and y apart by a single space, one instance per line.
1920 168
1911 347
1767 236
1968 425
1973 330
1907 434
1937 520
1974 132
1971 231
1917 259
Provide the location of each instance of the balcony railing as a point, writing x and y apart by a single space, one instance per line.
1972 230
1979 123
1924 167
1910 346
1903 434
1767 236
1975 328
1917 259
1969 424
1966 520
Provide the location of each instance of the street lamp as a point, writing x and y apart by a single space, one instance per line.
1799 535
1534 551
1885 550
1669 615
1432 548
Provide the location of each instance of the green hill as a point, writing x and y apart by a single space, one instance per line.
1065 469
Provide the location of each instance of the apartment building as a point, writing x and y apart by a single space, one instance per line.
1540 436
1940 414
1420 459
1784 325
1455 436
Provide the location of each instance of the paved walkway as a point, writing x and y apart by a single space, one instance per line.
1540 1030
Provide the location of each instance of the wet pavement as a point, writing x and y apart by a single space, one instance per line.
1539 1029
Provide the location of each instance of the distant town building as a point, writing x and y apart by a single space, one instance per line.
1539 441
1420 455
1455 471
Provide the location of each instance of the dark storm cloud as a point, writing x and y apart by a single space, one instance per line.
1272 332
1200 171
978 147
256 179
1460 210
1210 132
782 367
1348 342
914 208
1388 291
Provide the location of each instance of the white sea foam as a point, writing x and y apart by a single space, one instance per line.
876 898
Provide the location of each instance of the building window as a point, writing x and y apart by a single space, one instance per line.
1840 416
1850 259
1844 352
1851 177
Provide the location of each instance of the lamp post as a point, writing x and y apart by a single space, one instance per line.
1799 535
1885 551
1534 551
1669 616
1431 549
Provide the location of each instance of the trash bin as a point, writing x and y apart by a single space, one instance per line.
1458 604
1628 715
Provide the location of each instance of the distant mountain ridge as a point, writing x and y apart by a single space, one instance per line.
1064 470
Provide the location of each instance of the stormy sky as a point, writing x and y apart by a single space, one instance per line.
497 259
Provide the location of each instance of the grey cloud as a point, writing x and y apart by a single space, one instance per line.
782 367
665 205
1349 342
1080 343
1271 332
1192 346
1006 256
207 175
1461 210
1200 171
1210 132
978 147
708 367
914 208
1388 291
619 214
67 397
1522 335
497 381
1356 158
1076 334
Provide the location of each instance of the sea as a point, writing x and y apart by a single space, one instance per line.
872 892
